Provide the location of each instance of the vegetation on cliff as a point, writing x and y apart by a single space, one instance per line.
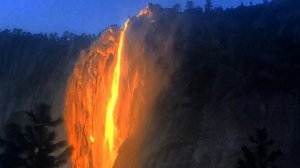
34 144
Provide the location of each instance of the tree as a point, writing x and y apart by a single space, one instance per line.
67 36
208 5
189 5
262 155
14 146
53 36
35 145
177 7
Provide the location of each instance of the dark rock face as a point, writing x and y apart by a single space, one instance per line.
34 69
195 133
238 71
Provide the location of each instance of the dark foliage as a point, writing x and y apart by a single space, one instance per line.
177 7
14 146
260 154
67 36
208 5
189 5
34 145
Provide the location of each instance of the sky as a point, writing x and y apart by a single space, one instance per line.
81 16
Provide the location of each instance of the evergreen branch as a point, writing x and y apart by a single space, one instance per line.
64 156
54 147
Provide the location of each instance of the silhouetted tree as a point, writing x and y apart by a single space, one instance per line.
36 145
13 145
262 155
208 5
17 31
67 36
189 5
53 36
177 7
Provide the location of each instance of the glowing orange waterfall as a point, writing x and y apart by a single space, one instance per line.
110 127
110 92
91 102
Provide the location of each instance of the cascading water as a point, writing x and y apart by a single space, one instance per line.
110 92
90 124
110 129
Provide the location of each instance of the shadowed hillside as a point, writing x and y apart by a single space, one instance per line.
34 68
239 70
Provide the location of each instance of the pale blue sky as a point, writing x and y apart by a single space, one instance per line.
80 16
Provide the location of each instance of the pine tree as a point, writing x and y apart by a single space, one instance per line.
262 155
208 5
14 147
177 7
189 5
42 135
35 146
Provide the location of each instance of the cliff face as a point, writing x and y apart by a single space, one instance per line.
35 69
123 69
238 71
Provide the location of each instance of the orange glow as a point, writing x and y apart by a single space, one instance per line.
92 139
109 122
110 127
109 96
96 125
